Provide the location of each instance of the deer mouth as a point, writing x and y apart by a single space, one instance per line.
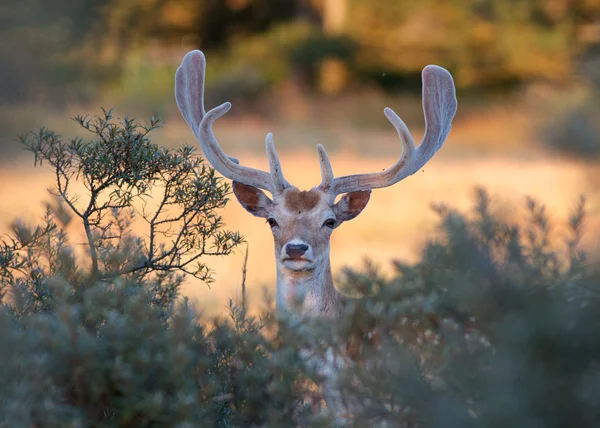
297 259
297 263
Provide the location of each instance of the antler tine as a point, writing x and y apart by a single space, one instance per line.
326 170
189 88
279 181
439 107
189 94
221 162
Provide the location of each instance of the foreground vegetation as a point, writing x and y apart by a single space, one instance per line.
495 325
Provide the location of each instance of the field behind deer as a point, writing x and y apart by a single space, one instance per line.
497 147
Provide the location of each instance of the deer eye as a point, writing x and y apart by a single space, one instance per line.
330 223
272 222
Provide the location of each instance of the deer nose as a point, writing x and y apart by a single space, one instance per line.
296 250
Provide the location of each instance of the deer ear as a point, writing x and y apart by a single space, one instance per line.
252 199
351 205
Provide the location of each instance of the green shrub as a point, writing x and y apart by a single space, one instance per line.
494 326
107 357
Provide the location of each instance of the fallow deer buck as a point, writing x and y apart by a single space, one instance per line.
302 221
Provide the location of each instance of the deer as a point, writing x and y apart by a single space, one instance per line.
302 221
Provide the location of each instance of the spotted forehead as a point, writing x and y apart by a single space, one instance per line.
302 200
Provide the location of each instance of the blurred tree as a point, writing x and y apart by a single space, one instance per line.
35 37
65 42
483 41
69 40
68 49
219 21
334 73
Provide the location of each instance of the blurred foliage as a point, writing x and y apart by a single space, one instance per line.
69 49
252 64
65 48
35 38
495 325
145 85
481 42
572 125
574 128
105 356
218 21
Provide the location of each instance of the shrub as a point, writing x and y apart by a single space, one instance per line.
107 357
494 326
97 337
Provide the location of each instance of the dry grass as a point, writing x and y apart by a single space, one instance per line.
492 147
394 224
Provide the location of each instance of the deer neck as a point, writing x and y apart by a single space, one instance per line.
309 293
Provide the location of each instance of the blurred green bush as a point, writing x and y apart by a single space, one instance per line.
573 127
242 72
252 64
67 51
498 321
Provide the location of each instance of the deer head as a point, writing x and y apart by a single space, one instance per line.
302 221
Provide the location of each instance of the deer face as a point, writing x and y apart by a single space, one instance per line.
301 221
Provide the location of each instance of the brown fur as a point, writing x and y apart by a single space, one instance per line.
251 198
359 200
351 205
301 200
247 193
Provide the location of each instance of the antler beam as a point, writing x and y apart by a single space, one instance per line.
189 94
439 107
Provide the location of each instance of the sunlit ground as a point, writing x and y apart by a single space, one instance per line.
479 152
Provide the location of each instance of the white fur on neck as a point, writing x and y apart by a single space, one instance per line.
308 293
